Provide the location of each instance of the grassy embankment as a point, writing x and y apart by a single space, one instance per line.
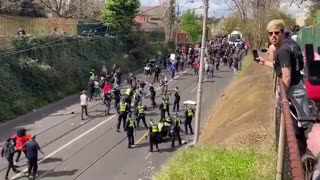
237 142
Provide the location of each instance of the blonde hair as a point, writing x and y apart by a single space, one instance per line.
276 23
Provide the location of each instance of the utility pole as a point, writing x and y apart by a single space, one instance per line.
177 23
199 91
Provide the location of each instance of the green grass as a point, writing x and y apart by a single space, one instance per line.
211 162
246 62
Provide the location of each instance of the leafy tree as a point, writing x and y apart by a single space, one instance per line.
189 24
312 13
118 14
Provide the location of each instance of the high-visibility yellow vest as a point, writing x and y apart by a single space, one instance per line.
190 113
165 105
154 128
178 122
131 123
140 109
123 107
160 126
128 91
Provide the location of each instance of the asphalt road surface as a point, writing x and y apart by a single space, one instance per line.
92 149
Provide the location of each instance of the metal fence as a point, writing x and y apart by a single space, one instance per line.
310 35
291 166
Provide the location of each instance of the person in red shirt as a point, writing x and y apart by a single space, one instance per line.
106 88
20 139
196 67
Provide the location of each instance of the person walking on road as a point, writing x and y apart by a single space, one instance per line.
189 113
123 111
157 72
177 96
84 104
172 70
7 152
153 133
176 130
32 156
164 107
117 96
130 127
152 95
141 115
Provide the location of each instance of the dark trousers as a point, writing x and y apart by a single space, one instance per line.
172 74
153 141
153 100
143 118
217 65
123 117
163 113
156 77
175 136
176 105
116 102
187 124
19 154
130 137
10 166
84 109
32 166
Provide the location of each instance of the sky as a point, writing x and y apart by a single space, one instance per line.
217 8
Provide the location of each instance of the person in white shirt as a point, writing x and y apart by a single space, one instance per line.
84 104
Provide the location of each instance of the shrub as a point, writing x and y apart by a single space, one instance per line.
42 70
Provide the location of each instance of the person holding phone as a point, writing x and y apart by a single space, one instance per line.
286 66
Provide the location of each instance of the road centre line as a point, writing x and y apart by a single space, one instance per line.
194 89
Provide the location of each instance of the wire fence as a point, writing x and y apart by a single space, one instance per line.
291 161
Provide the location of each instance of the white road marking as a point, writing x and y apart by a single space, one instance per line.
194 89
148 156
66 145
79 137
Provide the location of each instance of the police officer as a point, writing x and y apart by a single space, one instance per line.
122 110
141 115
92 74
189 113
130 126
153 133
129 94
164 107
176 130
177 96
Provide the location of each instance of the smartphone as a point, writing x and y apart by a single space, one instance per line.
255 55
309 52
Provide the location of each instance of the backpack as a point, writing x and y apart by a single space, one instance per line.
297 55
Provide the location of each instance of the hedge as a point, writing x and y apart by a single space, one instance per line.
42 70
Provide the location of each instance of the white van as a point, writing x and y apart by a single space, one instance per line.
235 37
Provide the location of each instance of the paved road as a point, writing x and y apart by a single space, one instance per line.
94 149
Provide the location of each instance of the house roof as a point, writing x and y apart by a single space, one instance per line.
152 10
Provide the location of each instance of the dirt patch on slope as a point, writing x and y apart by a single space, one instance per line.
244 115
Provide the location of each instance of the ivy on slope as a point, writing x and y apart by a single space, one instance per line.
43 70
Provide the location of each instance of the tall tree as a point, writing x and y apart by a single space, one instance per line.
189 24
118 14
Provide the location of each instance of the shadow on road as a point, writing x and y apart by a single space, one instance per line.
50 160
57 173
